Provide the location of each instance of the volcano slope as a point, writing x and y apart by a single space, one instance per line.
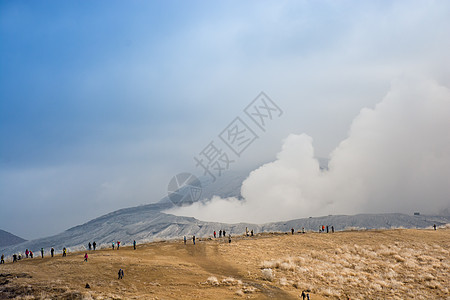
372 264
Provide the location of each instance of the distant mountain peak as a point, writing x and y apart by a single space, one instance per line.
9 239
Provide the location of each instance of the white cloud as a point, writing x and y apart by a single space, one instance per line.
395 159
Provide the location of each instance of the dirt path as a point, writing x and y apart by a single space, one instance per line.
362 265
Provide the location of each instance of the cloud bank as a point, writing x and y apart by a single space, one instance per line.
396 159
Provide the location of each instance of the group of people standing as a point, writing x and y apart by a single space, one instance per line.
113 245
29 254
221 233
322 228
93 245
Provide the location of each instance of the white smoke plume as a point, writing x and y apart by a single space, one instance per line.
395 159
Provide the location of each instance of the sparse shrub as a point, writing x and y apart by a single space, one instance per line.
249 289
287 266
267 274
330 292
212 280
231 281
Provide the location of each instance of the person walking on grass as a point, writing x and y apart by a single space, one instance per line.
90 246
193 239
303 295
292 231
31 254
434 226
332 229
52 251
85 257
118 245
214 234
26 253
120 274
64 252
94 245
185 240
2 261
42 252
113 244
134 244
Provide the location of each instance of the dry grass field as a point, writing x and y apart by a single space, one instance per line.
379 264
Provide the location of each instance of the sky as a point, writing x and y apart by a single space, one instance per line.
103 102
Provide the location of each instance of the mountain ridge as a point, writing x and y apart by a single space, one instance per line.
9 239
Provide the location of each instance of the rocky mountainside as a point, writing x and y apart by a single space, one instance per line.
147 223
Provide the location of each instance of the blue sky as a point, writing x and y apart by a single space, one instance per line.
102 102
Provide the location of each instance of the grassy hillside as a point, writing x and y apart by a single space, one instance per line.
394 264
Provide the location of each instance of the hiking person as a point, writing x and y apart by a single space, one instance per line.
134 244
120 274
303 295
214 234
434 226
31 254
113 244
85 256
26 253
327 228
118 245
223 233
14 258
2 261
42 252
185 240
90 246
229 238
246 231
193 239
323 227
292 231
19 257
307 296
64 251
220 233
251 233
93 245
52 251
332 229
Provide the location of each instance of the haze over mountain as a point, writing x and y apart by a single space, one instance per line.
396 158
147 223
9 239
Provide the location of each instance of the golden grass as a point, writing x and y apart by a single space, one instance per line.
383 264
